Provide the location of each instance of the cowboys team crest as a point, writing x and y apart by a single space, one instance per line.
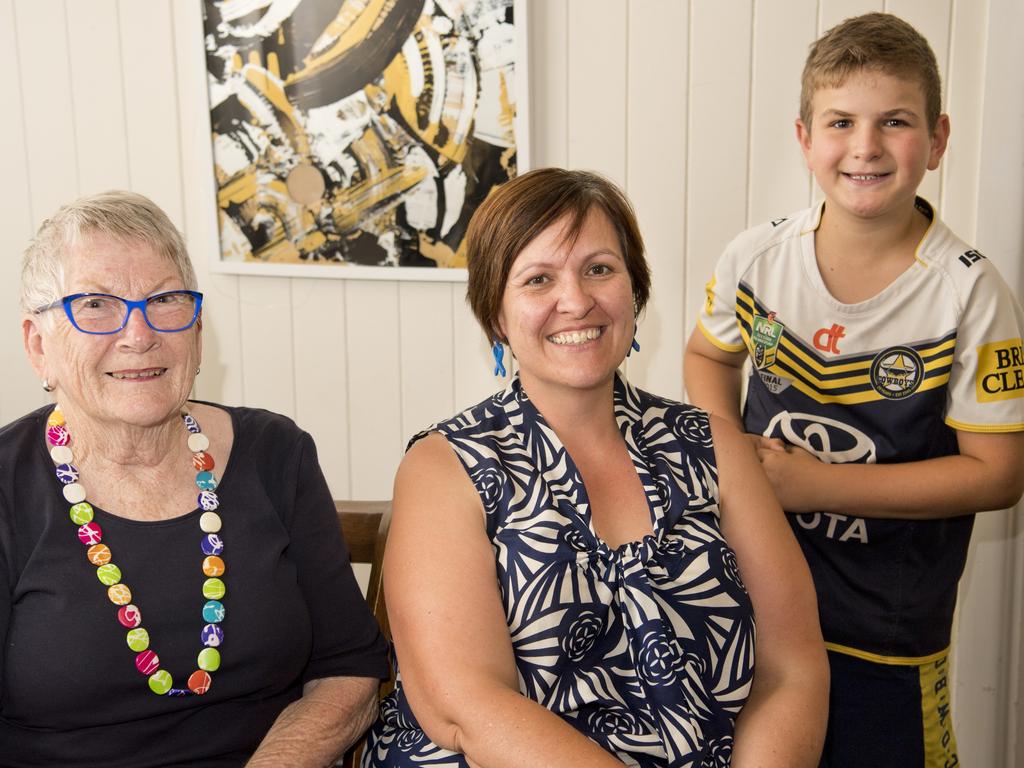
896 372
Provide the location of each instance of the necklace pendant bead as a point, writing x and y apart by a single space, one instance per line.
58 435
129 616
55 419
212 544
160 682
214 589
81 513
213 566
74 493
98 554
208 500
212 636
210 522
206 481
147 663
190 423
108 574
67 473
119 594
202 461
138 639
199 682
61 454
90 533
213 612
209 659
197 442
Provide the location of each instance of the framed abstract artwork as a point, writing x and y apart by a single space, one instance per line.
355 138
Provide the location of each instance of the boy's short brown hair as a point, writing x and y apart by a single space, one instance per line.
875 41
519 210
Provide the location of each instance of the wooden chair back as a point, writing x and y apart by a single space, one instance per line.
365 527
364 524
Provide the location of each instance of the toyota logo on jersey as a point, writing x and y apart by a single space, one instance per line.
831 441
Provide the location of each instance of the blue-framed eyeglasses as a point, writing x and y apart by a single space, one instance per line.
101 313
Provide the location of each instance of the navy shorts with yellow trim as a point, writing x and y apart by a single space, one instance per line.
889 713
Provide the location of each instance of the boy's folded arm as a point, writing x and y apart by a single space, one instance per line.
713 377
988 474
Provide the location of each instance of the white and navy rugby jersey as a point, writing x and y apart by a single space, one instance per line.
886 380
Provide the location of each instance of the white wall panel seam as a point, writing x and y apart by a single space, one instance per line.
687 309
945 96
291 347
348 397
71 111
751 83
124 95
752 41
21 103
177 107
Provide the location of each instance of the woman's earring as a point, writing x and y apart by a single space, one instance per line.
197 370
498 350
47 387
634 347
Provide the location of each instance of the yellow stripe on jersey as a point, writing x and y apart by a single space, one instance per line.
720 344
936 717
875 658
988 428
809 369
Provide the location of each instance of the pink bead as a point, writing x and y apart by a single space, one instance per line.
90 534
147 662
58 435
129 616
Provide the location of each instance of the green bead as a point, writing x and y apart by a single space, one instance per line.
214 589
109 574
138 639
160 682
81 513
209 659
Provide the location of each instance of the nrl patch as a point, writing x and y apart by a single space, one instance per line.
774 383
764 338
897 372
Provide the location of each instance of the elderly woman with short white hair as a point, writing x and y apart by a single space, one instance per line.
173 586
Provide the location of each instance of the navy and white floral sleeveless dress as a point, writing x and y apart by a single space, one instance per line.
648 648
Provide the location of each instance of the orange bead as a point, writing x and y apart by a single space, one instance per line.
199 682
98 554
119 594
202 461
213 566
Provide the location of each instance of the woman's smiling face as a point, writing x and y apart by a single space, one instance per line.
136 376
567 310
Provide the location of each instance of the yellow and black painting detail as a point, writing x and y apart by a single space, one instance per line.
358 131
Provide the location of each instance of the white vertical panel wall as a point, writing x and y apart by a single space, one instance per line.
688 105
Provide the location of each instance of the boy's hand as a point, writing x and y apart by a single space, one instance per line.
794 473
768 443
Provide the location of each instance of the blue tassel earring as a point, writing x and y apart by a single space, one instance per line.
634 347
498 350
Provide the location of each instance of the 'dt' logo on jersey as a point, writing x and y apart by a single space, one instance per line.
896 372
767 333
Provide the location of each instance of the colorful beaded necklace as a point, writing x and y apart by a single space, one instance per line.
130 617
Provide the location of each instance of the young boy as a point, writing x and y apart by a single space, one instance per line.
886 393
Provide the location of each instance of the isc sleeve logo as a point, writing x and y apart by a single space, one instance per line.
1000 374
